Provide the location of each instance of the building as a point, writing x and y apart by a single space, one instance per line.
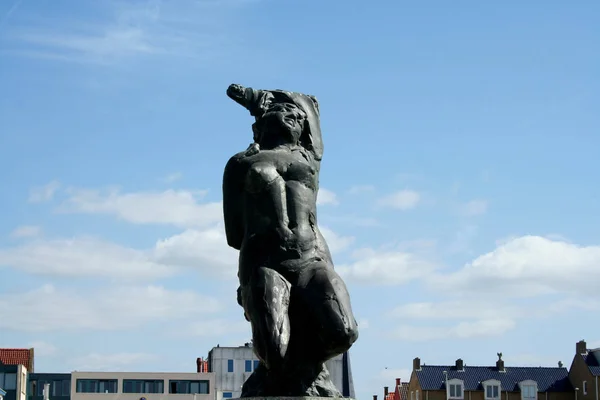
15 364
584 371
59 386
13 381
233 365
2 394
400 391
142 386
461 382
24 357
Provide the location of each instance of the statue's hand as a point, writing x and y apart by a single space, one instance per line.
253 149
236 92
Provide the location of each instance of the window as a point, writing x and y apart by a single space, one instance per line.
227 395
10 381
256 362
248 365
492 391
528 392
32 387
412 395
188 387
585 387
229 365
416 395
143 386
58 388
96 386
455 389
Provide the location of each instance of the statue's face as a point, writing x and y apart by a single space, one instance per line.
281 123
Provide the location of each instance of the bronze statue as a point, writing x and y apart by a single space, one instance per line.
298 306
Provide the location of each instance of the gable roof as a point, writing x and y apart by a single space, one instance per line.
592 362
549 379
17 357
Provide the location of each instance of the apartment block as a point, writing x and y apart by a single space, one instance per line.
142 386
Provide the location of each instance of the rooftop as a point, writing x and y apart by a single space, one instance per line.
17 357
549 379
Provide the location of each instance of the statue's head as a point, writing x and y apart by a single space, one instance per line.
281 123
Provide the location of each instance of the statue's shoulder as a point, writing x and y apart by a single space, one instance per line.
236 164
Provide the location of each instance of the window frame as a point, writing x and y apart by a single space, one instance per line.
97 382
528 383
230 366
247 365
491 383
189 385
143 383
227 395
585 388
455 382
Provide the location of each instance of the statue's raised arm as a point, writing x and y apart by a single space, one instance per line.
259 101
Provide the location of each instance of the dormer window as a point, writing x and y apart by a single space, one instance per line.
491 389
455 389
529 390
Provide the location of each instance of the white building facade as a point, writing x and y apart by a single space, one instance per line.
142 386
233 365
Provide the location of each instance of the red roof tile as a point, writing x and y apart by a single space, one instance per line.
17 357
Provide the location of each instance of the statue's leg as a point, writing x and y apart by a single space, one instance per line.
323 327
327 296
266 300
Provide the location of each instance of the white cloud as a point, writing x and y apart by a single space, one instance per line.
488 327
325 197
43 348
385 267
401 200
25 231
113 308
171 207
474 208
205 250
43 193
194 30
336 243
361 189
175 176
110 362
80 257
528 266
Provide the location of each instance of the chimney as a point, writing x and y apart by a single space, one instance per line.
460 365
374 397
199 365
398 382
385 392
581 347
417 364
500 363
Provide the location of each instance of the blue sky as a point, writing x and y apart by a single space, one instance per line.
459 182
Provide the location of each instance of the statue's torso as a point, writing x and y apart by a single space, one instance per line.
301 175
